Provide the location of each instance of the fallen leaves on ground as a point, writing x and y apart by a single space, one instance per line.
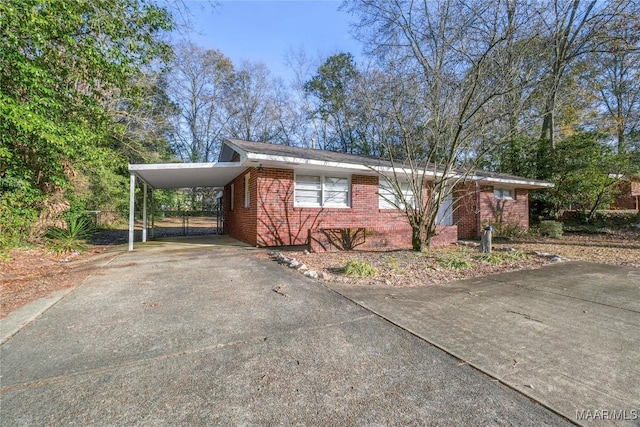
29 274
439 266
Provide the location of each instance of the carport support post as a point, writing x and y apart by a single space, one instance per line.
153 213
144 211
132 207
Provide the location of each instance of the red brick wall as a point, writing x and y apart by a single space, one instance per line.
280 223
272 219
505 213
465 211
376 238
628 196
241 222
474 211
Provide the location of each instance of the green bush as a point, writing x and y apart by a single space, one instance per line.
601 220
18 212
551 229
72 237
356 268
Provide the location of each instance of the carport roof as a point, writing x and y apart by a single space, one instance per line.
187 175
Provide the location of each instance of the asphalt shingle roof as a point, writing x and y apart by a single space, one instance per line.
332 156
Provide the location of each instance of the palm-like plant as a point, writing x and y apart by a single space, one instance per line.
70 238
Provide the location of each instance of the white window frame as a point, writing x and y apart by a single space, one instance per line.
232 197
499 193
445 211
385 203
323 190
247 190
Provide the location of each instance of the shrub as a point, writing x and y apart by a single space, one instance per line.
551 229
71 238
356 268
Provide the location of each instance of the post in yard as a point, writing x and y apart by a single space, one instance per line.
485 239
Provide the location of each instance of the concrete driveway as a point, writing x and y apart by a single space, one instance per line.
567 335
185 334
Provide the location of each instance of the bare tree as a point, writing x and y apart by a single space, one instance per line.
253 105
571 29
615 76
449 70
200 81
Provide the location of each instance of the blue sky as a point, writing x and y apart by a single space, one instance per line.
265 30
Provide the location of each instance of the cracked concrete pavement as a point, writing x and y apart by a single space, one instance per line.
567 335
187 333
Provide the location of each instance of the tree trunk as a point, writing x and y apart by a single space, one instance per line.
417 242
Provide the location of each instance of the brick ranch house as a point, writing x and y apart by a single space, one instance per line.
276 195
328 200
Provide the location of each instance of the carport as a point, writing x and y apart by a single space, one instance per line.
175 176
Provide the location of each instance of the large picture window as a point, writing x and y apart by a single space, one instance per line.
389 199
321 191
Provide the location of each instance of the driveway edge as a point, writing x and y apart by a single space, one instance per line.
25 315
453 353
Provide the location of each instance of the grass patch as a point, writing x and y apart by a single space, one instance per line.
356 268
515 255
454 262
490 258
497 258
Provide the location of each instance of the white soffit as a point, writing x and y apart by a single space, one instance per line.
187 175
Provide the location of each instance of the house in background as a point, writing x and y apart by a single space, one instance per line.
628 192
327 200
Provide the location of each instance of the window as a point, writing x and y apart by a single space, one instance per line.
321 190
445 212
503 193
388 199
247 192
233 195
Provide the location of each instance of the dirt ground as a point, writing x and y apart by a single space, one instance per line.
28 274
443 265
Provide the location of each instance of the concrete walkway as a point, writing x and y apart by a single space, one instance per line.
188 334
567 335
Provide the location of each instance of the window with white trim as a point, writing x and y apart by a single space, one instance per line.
445 211
503 193
321 191
247 193
388 197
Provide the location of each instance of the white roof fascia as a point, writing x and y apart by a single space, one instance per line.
297 161
522 183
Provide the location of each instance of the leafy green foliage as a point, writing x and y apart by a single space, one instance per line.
551 229
356 268
18 210
65 68
70 238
